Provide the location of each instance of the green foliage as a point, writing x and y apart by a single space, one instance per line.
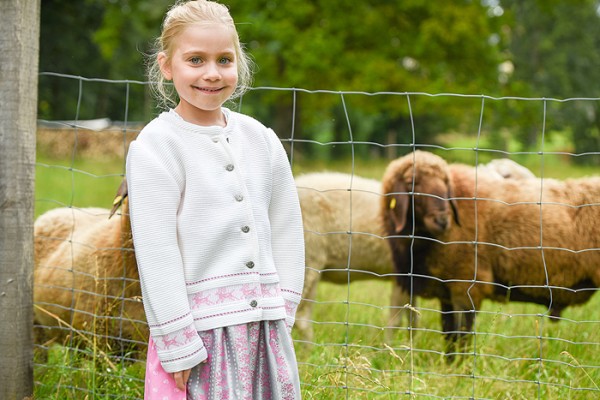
555 50
377 46
528 49
96 39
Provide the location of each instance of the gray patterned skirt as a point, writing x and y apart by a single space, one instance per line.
254 361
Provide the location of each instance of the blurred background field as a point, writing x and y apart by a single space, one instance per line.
83 168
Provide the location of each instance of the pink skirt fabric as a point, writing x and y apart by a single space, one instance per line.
249 361
159 384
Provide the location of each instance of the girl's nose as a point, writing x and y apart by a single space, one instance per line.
212 72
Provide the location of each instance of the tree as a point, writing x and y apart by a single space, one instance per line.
555 48
96 39
371 46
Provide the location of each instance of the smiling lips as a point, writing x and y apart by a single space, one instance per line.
208 90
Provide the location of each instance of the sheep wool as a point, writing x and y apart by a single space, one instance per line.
85 276
343 238
524 239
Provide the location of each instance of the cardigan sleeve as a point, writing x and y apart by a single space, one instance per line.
287 233
154 197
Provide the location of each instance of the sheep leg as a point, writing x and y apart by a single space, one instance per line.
449 328
456 325
464 327
305 308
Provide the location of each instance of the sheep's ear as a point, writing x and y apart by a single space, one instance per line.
399 205
453 205
119 197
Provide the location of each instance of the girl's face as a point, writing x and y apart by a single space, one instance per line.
203 68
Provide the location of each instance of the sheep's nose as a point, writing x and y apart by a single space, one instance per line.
442 221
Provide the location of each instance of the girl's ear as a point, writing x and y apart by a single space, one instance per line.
165 65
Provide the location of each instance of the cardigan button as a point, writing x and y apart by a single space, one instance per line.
253 303
229 167
215 139
250 264
245 229
239 197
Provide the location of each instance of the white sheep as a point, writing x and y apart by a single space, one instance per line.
60 225
73 246
340 212
527 240
85 276
507 169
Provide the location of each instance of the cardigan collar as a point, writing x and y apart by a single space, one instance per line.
173 117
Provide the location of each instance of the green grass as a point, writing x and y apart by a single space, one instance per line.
76 183
504 361
517 352
81 373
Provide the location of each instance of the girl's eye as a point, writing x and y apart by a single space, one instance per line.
224 60
195 60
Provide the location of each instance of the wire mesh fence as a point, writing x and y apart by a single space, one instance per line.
356 335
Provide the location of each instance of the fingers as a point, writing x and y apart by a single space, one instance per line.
178 376
186 375
181 378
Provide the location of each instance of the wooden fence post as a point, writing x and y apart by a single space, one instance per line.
19 49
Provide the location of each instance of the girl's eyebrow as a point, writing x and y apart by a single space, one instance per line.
201 52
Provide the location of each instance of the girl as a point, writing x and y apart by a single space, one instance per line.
216 224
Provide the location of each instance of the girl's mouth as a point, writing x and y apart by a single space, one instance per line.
208 90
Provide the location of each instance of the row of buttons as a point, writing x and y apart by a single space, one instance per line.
245 228
238 197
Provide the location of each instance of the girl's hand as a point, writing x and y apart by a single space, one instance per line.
181 378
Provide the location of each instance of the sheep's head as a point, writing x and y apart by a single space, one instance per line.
120 199
418 194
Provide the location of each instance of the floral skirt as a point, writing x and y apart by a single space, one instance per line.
248 361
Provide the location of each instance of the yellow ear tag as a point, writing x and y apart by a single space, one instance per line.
393 203
117 199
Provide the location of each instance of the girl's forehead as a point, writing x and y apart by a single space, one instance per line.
206 28
209 35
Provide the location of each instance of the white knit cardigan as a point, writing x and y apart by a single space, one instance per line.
217 230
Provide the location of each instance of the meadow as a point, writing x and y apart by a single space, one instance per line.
516 352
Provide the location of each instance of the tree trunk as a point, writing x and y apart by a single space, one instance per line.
19 46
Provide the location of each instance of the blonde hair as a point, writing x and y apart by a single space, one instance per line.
181 15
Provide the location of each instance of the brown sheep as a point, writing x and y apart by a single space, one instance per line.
522 240
85 275
410 233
